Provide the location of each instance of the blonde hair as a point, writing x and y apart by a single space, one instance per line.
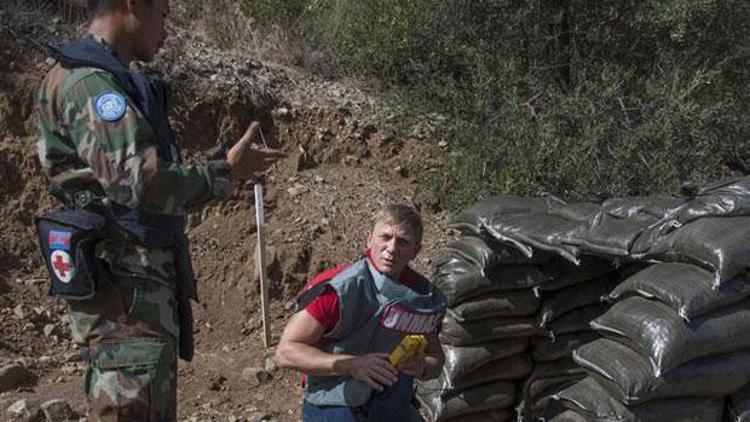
400 214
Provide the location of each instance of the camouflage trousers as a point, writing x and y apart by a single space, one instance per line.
128 333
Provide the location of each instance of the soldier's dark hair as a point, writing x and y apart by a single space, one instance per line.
400 214
100 7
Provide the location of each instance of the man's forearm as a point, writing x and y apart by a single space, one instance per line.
311 360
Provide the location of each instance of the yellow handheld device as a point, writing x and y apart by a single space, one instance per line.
412 345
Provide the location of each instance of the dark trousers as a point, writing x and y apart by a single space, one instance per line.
393 404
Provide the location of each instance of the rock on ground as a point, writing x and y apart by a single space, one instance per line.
25 410
13 375
57 410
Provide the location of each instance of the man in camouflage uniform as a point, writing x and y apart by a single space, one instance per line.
105 140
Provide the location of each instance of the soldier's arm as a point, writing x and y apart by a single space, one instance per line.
122 154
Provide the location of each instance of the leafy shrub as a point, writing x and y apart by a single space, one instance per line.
578 98
270 12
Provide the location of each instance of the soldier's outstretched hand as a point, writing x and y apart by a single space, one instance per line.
245 160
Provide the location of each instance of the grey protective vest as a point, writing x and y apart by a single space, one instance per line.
376 314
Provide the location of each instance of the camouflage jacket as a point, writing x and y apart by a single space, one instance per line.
116 160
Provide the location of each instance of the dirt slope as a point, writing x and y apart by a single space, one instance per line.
318 203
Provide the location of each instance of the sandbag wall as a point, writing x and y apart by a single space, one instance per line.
570 298
486 332
674 345
524 284
512 323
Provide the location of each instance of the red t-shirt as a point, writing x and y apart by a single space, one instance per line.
325 307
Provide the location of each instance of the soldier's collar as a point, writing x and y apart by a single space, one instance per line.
107 46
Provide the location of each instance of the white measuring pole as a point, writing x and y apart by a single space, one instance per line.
260 219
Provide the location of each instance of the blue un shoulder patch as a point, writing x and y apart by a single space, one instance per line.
110 106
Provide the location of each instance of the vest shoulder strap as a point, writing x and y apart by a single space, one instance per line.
318 284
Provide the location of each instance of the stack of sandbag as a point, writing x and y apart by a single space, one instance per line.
674 345
515 311
523 284
588 400
492 313
546 379
569 301
588 241
495 331
674 339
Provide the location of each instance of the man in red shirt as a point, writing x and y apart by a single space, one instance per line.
353 316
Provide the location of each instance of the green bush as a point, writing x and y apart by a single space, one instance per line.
270 12
577 98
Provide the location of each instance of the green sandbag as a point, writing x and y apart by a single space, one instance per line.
655 331
548 349
627 376
738 405
539 405
576 320
546 387
509 368
508 303
484 254
716 243
467 333
589 399
443 403
549 377
562 301
610 236
461 361
500 415
545 380
561 273
459 280
569 416
470 220
532 232
688 289
475 251
613 230
579 211
728 197
656 206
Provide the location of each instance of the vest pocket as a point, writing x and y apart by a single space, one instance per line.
67 239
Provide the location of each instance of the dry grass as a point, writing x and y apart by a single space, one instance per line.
218 23
222 24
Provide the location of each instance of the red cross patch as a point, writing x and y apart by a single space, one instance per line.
62 266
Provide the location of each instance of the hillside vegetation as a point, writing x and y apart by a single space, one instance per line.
582 99
577 98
